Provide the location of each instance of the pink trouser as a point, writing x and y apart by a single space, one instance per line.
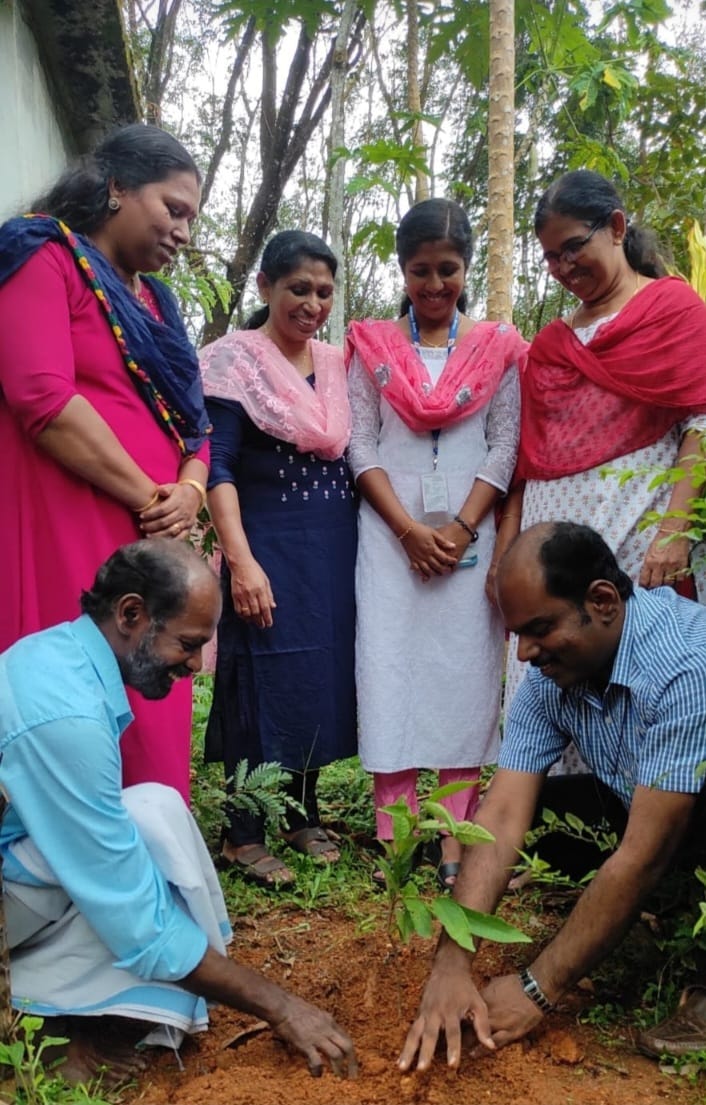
388 787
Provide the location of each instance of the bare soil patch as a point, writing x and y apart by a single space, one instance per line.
374 993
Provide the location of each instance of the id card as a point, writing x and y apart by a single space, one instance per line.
435 493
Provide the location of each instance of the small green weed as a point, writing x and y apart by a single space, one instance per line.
602 837
35 1083
688 1066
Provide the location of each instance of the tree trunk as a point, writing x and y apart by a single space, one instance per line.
501 129
159 59
414 100
333 205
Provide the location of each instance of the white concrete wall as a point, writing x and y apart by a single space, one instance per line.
32 148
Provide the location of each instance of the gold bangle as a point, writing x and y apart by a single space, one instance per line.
510 515
153 500
197 487
406 533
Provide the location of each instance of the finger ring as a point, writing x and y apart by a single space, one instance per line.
176 528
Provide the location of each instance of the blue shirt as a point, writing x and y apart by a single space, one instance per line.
648 728
63 708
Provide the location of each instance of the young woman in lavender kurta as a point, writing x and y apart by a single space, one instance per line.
435 403
99 453
282 501
620 383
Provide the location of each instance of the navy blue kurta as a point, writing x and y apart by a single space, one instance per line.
287 693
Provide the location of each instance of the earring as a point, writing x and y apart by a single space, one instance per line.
113 204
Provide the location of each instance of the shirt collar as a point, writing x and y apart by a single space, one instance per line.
105 664
622 664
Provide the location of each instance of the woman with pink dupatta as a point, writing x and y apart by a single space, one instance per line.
282 500
435 404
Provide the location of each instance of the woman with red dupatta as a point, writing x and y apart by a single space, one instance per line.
620 383
435 404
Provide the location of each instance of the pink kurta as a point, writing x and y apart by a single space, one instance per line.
55 343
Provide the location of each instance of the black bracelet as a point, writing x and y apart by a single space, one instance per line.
472 533
534 991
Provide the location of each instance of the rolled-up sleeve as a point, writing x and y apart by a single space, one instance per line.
37 370
85 834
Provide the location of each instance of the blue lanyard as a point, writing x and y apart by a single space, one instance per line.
416 339
417 343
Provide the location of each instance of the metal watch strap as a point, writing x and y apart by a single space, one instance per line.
534 991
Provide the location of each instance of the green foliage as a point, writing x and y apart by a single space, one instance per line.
603 1014
37 1084
385 164
408 912
571 826
700 924
695 515
197 289
258 791
684 1066
274 17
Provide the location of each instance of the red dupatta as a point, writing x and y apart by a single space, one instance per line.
469 379
644 371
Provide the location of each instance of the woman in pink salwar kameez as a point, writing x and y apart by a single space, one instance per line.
101 413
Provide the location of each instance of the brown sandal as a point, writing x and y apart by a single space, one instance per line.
314 842
260 866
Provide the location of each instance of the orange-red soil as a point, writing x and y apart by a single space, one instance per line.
374 995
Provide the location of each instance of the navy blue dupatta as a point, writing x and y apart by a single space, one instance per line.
168 378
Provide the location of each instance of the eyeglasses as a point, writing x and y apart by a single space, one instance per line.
571 250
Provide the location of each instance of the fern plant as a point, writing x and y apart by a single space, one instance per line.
261 792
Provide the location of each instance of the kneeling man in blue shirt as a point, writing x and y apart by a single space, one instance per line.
112 903
622 673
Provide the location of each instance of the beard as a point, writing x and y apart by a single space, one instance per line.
145 672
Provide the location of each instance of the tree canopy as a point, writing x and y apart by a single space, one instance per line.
335 115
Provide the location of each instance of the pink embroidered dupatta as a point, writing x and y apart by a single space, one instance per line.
468 382
247 367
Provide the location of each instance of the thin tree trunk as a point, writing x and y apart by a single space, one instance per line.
333 207
501 129
414 100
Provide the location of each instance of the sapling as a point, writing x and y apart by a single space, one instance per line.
408 911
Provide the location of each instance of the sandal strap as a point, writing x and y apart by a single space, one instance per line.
262 861
267 865
309 835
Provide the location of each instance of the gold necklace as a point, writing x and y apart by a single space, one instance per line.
432 344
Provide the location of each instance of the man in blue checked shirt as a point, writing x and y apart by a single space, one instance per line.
113 908
622 673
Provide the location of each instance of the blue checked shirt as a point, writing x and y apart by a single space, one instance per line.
648 728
